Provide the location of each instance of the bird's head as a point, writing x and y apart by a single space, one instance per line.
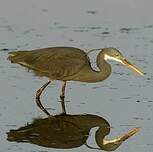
116 55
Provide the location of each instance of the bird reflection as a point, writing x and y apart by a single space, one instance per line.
68 131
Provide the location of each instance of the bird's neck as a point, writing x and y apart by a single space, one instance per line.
107 144
88 74
104 67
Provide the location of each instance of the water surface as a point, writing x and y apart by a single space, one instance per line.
124 99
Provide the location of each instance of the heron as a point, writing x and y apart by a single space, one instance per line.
68 64
74 130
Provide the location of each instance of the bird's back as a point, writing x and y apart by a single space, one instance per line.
56 62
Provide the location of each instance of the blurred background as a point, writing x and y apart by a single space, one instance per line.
124 99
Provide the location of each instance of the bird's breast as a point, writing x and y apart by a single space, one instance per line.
88 75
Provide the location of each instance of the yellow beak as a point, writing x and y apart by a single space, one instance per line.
126 62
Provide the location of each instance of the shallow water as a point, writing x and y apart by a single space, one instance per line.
125 99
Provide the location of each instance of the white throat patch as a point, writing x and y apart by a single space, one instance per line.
107 57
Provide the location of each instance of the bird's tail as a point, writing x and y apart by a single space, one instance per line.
20 135
15 57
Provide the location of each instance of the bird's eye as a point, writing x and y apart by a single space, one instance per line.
117 55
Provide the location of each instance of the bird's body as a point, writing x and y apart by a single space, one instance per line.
60 63
67 64
69 131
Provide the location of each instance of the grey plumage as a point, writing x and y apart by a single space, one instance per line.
65 64
55 63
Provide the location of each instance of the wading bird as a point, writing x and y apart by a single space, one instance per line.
74 130
67 64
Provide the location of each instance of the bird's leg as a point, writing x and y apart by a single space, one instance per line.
62 96
38 94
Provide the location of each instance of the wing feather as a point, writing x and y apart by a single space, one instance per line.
56 62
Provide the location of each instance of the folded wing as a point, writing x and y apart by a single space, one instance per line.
56 62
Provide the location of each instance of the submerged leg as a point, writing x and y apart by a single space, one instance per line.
38 94
62 96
